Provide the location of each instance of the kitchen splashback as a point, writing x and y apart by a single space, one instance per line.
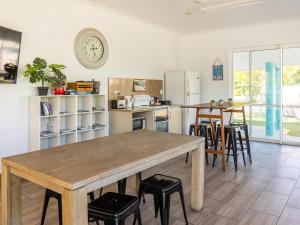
124 87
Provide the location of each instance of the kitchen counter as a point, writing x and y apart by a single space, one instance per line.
120 120
142 109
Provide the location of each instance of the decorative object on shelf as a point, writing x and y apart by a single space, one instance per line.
230 101
139 85
40 71
213 103
217 70
58 80
96 87
221 101
81 86
91 48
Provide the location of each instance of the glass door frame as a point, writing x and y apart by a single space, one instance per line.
281 48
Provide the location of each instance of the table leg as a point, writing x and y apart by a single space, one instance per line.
74 207
197 187
11 197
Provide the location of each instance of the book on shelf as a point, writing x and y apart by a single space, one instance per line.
83 128
46 109
66 131
48 134
98 109
98 125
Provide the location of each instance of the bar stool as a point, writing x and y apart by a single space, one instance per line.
244 128
231 134
206 132
52 194
162 187
114 209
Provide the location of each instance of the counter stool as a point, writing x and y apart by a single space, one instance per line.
162 187
244 128
52 194
206 132
231 133
114 208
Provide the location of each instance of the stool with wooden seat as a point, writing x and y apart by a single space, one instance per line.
162 187
114 209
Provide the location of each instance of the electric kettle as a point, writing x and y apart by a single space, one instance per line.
129 101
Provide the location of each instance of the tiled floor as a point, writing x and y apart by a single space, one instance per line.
264 193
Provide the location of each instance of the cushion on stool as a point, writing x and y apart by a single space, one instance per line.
112 205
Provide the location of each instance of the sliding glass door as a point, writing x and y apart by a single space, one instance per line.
291 95
270 81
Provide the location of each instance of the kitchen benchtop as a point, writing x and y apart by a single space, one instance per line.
142 109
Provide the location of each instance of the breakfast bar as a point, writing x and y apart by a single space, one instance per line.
74 170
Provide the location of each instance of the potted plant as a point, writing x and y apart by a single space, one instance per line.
58 80
230 101
213 103
221 101
38 72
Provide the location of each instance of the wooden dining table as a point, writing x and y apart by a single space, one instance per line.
77 169
216 112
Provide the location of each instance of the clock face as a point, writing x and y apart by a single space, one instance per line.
91 48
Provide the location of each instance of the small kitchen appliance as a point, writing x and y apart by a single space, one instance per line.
118 104
129 101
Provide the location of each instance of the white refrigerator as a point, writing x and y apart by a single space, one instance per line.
183 87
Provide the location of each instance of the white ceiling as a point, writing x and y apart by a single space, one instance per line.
171 13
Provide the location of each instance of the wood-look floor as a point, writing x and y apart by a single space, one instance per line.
264 193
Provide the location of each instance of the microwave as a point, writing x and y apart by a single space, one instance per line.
138 123
118 104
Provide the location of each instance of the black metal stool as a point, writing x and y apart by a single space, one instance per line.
114 208
162 187
244 128
205 131
52 194
231 133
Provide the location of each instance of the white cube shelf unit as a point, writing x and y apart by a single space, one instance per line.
70 118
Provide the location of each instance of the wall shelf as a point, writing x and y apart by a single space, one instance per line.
65 116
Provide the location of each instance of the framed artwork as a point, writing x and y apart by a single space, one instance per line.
217 70
139 85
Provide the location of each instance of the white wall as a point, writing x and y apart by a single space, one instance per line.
49 28
201 49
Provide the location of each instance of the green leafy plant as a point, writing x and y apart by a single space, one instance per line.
59 79
37 72
40 71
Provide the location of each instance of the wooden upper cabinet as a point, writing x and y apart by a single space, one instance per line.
175 120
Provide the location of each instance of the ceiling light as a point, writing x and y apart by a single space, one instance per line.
230 5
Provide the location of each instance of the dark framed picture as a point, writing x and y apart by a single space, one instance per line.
217 72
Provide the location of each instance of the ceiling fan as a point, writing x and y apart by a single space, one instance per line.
221 6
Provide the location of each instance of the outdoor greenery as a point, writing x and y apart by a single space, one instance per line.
291 77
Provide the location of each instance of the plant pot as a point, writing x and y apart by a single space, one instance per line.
58 90
42 91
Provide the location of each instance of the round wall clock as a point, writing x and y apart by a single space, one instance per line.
91 48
